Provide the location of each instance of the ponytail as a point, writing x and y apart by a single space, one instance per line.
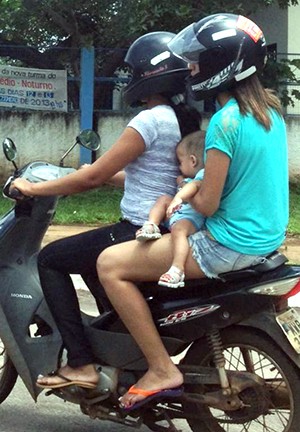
189 118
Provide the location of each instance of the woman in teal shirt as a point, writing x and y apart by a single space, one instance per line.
244 193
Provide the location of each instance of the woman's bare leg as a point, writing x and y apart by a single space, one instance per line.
119 267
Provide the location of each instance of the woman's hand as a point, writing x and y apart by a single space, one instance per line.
180 181
85 165
24 186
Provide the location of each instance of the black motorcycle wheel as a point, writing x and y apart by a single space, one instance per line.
8 373
262 356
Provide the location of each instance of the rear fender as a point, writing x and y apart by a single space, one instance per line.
266 323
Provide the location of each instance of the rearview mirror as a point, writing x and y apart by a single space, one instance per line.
89 139
9 149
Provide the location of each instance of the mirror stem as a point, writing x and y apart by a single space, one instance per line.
61 163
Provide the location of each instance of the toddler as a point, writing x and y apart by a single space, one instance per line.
182 219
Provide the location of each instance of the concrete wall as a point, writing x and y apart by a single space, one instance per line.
293 133
293 29
46 136
274 23
280 26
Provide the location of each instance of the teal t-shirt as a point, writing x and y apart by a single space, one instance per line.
253 213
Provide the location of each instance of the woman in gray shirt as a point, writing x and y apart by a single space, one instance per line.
144 156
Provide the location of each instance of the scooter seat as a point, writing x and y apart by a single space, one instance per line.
272 261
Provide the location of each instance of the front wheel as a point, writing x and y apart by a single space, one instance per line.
8 373
246 350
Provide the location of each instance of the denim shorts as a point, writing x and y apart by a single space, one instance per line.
214 258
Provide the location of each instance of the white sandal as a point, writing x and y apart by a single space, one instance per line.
173 278
149 231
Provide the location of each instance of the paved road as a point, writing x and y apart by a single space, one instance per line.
19 413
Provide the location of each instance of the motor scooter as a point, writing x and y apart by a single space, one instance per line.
235 339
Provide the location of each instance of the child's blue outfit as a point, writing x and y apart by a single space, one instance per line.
186 211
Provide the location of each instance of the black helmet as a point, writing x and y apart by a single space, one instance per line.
228 49
155 69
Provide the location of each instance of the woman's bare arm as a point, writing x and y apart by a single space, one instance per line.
117 179
185 194
207 199
126 149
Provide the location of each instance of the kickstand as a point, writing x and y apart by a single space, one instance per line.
161 415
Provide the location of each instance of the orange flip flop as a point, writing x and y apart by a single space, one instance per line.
152 394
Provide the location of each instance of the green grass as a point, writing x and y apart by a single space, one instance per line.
95 207
294 223
102 206
90 208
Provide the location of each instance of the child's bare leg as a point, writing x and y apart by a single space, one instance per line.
179 234
158 212
150 230
174 277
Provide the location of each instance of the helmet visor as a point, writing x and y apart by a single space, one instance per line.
186 46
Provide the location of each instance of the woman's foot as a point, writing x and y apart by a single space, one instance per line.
151 383
84 376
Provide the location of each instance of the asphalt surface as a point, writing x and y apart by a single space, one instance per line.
19 413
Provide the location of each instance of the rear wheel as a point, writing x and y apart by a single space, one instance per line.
245 350
8 373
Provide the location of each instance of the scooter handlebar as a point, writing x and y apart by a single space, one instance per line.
35 172
16 194
13 193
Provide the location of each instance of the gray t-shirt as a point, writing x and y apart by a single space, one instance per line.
154 172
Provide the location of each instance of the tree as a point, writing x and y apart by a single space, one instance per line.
48 34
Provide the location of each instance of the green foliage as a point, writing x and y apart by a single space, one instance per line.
111 24
52 31
278 73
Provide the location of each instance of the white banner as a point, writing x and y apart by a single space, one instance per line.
36 89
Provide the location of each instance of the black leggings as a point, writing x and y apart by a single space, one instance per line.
76 255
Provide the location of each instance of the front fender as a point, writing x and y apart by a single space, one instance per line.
30 356
266 322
